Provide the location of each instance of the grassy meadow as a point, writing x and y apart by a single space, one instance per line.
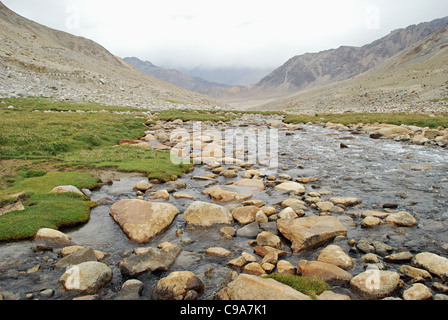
40 150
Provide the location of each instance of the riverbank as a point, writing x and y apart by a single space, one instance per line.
369 211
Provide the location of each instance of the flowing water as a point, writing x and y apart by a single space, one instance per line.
377 171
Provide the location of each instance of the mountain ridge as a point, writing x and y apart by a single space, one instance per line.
41 61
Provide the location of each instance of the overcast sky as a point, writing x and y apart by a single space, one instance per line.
218 33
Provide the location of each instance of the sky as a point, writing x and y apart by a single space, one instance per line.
230 33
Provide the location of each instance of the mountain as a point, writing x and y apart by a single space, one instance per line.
173 76
231 76
414 78
312 70
39 61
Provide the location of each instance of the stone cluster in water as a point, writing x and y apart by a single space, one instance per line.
280 230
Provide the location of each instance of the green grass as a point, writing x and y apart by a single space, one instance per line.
372 118
44 209
25 133
195 115
155 164
46 144
310 286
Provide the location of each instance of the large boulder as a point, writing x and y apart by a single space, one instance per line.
142 220
87 278
433 263
177 285
249 287
150 260
375 284
311 231
205 214
324 271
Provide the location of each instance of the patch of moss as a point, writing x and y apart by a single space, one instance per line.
310 286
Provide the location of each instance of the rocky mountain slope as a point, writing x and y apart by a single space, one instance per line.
38 61
314 69
173 76
414 80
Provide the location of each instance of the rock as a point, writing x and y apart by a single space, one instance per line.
264 250
143 186
294 204
433 263
249 287
54 237
413 272
399 257
371 222
177 285
245 215
254 268
329 295
65 189
375 284
311 231
285 267
401 219
370 258
79 256
271 257
291 187
221 195
205 214
219 252
346 202
72 249
325 205
417 291
389 132
327 272
266 238
160 194
47 293
130 290
142 220
373 213
335 255
153 259
287 213
87 278
250 230
18 206
257 184
422 167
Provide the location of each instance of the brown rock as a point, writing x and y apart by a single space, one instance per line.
142 220
249 287
205 214
324 271
311 231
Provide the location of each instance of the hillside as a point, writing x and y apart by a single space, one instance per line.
39 61
312 70
173 76
413 80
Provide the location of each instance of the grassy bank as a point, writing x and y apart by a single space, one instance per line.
45 143
372 118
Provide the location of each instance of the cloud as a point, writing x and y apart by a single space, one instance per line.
255 33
